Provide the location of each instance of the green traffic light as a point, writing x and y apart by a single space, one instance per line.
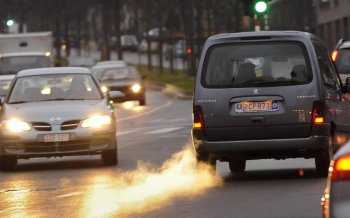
260 7
10 23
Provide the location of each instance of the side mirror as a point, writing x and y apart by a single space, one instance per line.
116 96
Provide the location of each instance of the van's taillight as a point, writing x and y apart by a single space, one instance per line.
318 116
198 118
341 169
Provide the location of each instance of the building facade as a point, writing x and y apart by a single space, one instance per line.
333 20
293 15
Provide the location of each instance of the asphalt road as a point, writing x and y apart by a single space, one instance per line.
82 187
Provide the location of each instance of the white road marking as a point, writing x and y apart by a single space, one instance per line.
69 195
127 132
146 113
177 120
165 130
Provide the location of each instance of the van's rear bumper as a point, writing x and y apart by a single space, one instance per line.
261 149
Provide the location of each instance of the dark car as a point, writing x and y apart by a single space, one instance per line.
336 198
267 95
117 77
54 112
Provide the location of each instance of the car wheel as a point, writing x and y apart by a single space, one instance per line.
237 166
323 160
206 159
8 163
142 102
110 157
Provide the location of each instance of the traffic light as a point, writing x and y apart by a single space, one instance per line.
10 22
261 7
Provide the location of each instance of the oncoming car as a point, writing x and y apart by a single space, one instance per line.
125 79
267 95
54 112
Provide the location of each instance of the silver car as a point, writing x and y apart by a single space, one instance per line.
336 198
54 112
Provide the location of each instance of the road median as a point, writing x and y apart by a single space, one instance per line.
177 84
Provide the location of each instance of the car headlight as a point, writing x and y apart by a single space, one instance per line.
97 122
136 88
104 89
16 126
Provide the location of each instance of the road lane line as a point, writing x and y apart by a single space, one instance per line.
176 120
69 195
147 113
127 132
165 130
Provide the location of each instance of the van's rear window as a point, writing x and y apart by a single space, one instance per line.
256 65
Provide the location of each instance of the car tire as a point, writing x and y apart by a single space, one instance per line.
237 166
142 102
206 159
322 162
110 157
8 163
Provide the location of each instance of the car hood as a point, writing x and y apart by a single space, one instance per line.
120 83
55 110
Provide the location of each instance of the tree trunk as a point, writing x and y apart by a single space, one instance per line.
118 34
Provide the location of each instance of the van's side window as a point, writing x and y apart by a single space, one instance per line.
328 72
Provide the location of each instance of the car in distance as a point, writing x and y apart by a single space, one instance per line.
335 200
113 62
341 58
129 42
125 79
54 112
266 95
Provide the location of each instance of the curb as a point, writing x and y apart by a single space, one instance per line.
170 90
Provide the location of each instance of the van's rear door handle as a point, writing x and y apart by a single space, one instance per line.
257 119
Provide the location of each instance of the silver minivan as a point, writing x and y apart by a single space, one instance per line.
267 95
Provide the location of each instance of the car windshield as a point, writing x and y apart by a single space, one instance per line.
112 74
12 65
54 88
256 65
343 61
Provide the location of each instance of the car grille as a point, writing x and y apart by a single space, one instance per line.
124 89
69 125
41 126
57 147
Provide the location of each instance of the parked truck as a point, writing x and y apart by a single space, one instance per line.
23 51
